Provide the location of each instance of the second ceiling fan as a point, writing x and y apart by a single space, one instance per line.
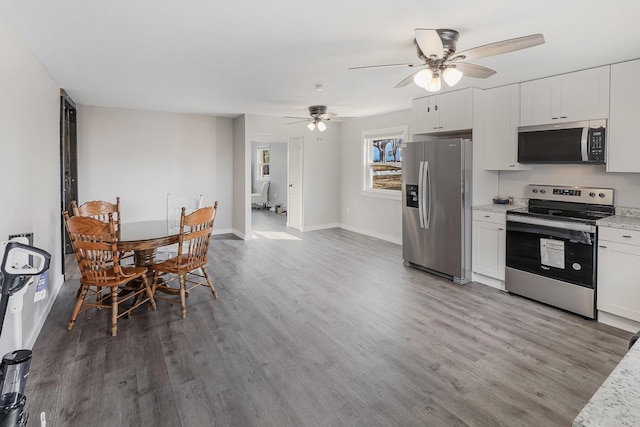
319 116
440 61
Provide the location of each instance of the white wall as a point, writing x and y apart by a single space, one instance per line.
141 156
626 185
373 216
30 174
241 225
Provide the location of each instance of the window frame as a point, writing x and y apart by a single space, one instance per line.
260 163
367 177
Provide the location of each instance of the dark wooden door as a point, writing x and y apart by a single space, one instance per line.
68 160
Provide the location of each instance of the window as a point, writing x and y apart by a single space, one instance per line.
263 161
383 162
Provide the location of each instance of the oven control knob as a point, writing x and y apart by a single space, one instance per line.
601 195
535 190
542 191
592 194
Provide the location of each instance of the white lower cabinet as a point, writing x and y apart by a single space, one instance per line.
619 273
489 243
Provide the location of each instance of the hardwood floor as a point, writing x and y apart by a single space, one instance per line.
325 328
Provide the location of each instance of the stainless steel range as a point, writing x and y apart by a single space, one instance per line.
552 246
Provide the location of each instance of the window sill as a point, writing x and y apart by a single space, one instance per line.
383 194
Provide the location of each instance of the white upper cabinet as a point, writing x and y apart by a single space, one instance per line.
443 113
502 117
623 149
583 95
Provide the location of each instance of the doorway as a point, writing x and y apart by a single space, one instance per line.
269 169
68 162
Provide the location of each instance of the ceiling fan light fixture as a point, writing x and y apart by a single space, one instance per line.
422 78
434 84
452 76
311 126
322 127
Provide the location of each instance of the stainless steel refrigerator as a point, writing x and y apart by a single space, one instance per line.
436 207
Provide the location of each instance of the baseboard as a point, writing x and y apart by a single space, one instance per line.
488 281
30 340
237 234
397 241
618 322
216 232
320 227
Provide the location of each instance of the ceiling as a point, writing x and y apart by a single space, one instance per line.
256 57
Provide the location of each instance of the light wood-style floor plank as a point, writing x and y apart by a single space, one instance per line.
325 328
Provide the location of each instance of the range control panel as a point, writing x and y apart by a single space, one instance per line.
598 196
596 145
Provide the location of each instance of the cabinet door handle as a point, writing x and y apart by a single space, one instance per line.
428 110
554 118
500 229
602 246
512 166
487 216
435 127
626 236
563 117
436 107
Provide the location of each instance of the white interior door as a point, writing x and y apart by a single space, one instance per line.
294 196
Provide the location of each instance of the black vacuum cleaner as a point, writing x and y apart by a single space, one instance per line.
15 365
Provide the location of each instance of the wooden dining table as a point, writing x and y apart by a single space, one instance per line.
144 238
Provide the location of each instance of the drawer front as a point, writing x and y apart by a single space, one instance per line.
619 235
497 218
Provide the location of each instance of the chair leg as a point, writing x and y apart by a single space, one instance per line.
114 311
183 294
82 295
206 276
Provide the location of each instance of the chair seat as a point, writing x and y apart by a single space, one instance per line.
129 273
172 266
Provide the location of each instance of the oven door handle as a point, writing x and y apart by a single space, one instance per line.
567 225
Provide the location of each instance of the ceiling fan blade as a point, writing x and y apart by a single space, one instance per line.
299 121
499 48
326 116
476 71
384 65
429 42
406 80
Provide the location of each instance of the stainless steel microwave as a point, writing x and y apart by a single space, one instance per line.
563 143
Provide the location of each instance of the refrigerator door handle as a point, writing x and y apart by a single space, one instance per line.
421 195
426 185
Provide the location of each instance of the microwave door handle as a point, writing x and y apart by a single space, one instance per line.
427 186
584 144
420 194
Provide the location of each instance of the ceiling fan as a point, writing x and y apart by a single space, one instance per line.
437 51
318 118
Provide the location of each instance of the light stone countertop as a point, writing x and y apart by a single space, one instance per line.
494 207
617 401
627 218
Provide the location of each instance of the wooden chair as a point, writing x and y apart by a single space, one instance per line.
195 234
99 209
95 245
175 203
